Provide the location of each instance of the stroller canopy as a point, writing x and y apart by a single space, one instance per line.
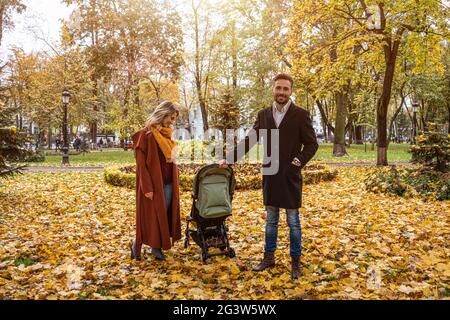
213 189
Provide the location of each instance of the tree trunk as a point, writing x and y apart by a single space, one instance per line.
234 59
358 134
424 117
351 134
198 75
325 133
324 116
339 131
93 130
391 125
448 110
383 102
94 39
49 138
2 14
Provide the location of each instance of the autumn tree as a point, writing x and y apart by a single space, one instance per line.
87 24
432 91
37 81
382 31
7 8
11 140
124 47
225 112
201 59
238 46
127 42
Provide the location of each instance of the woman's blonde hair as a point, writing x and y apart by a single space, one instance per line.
164 109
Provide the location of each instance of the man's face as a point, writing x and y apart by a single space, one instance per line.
282 91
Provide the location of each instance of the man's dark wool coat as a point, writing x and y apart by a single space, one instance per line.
297 138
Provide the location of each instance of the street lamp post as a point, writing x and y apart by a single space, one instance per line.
415 107
65 100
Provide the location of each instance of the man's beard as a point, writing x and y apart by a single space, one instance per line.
281 98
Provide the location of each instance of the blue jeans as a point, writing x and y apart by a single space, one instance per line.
168 189
295 233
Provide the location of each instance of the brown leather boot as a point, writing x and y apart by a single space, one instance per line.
296 270
268 262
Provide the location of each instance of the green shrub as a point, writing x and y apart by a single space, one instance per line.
38 156
248 175
412 182
120 177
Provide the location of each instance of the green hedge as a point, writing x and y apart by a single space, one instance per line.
248 176
37 156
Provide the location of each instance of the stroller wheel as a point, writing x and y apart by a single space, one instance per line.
186 243
231 253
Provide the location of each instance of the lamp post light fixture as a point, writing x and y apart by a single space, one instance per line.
415 108
65 100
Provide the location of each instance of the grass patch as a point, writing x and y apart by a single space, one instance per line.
356 153
94 158
25 260
103 291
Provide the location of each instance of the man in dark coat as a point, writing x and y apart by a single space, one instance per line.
282 187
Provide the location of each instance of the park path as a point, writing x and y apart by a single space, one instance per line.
94 168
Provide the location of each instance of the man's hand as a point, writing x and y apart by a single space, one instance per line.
149 195
223 164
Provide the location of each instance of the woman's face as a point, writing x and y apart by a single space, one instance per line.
169 121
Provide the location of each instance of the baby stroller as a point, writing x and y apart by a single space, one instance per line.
212 193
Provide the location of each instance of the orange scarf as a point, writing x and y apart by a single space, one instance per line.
164 139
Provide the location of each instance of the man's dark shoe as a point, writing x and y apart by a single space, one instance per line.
158 254
268 262
296 271
134 254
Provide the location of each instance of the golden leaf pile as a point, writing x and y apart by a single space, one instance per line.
66 235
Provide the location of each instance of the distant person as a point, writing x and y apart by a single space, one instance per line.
77 144
57 144
100 144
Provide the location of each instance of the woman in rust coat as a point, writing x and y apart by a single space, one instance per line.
157 184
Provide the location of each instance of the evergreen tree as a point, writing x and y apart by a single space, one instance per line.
433 150
12 143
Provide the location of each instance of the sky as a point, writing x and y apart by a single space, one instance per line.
41 15
44 16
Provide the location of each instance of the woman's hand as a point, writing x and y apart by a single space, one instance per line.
149 195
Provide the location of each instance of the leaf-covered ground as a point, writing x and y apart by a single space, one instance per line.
65 235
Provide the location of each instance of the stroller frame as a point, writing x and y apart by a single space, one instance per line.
209 233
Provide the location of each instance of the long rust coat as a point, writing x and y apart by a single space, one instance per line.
153 226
